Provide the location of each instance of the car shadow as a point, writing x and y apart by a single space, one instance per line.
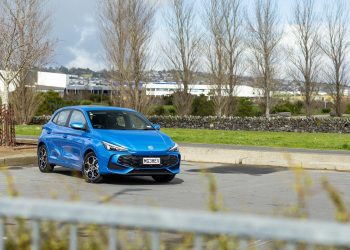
239 169
137 180
119 179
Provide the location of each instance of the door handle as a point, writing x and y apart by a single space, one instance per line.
65 136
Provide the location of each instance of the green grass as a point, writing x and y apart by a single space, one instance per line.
33 130
268 139
245 138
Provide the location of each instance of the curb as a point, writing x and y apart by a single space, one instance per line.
286 159
29 141
19 160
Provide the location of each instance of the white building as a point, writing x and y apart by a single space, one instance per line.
43 81
168 88
52 81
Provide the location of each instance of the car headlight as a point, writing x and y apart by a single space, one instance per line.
112 147
175 148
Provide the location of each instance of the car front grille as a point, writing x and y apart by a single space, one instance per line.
136 161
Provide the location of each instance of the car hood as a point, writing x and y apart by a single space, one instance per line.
137 140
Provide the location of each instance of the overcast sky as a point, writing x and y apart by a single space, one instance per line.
75 26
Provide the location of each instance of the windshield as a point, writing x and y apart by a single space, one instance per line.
118 120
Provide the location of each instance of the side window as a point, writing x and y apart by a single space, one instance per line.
137 122
121 121
77 116
62 118
54 120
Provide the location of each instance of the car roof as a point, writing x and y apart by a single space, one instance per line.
96 108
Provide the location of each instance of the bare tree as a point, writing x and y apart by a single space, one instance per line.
225 50
335 45
216 53
306 57
264 45
234 46
127 27
183 50
25 45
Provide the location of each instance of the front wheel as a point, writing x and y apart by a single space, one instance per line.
91 171
163 178
43 162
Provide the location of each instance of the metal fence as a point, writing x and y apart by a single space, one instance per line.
7 126
158 220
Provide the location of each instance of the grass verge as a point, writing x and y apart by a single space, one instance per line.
320 141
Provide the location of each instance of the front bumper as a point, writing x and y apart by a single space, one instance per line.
132 164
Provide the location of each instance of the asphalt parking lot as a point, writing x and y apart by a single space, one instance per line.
244 189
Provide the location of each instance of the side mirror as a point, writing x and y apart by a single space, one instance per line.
156 126
77 126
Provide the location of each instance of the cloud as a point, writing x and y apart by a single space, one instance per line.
85 56
85 59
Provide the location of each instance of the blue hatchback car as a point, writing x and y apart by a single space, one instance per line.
100 141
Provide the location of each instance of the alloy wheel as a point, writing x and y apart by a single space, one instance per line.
42 158
91 168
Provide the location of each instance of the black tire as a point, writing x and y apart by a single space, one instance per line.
91 169
43 161
163 178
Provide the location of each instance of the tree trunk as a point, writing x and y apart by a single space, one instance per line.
308 104
267 108
338 104
5 95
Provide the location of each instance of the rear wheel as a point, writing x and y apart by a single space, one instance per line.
163 178
43 163
91 171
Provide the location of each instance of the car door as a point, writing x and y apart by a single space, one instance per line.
58 138
76 140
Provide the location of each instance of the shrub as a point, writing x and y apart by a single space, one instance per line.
85 102
162 110
287 106
201 106
158 110
168 100
347 109
182 102
51 102
326 110
246 108
71 103
170 110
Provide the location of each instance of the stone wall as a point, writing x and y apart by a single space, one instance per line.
276 124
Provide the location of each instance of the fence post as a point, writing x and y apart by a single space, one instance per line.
35 235
113 242
2 234
198 242
73 240
155 235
